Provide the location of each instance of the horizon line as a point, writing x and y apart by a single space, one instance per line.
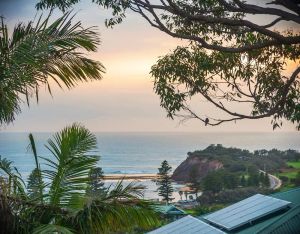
159 131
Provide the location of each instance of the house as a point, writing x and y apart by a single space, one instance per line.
277 213
170 211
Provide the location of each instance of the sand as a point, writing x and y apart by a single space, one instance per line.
129 176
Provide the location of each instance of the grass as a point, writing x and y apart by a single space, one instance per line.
192 212
287 187
293 173
290 174
295 168
295 165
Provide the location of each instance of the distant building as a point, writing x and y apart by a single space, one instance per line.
278 213
170 211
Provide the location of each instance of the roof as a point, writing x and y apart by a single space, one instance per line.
187 225
169 209
246 211
289 219
292 195
288 223
286 220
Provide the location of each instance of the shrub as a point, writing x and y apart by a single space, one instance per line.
284 178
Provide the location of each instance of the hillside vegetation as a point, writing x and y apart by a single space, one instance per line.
227 168
235 159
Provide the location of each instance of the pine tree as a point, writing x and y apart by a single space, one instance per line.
33 187
96 184
164 182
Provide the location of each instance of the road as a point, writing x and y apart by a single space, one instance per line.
275 182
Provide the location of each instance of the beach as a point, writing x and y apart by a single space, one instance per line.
137 177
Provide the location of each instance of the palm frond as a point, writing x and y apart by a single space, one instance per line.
15 183
72 149
52 228
120 208
35 183
67 207
37 53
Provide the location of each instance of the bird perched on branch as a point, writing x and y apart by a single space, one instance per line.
206 121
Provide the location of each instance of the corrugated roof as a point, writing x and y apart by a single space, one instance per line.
292 195
246 211
169 209
287 223
187 225
287 219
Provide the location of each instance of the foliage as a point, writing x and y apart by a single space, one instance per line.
64 206
213 182
297 179
194 182
218 180
96 183
253 179
34 54
230 195
164 182
33 184
290 175
243 181
230 59
295 164
190 73
284 179
206 209
240 167
239 160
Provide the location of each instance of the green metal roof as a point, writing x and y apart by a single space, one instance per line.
292 195
285 221
169 209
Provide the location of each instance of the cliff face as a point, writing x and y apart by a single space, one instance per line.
196 167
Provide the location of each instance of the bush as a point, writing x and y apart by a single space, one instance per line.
205 209
296 180
230 195
284 178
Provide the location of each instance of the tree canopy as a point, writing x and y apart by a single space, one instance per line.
236 52
164 182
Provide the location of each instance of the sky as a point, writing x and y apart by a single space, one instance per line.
124 100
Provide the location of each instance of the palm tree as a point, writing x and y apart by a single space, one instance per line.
35 53
60 203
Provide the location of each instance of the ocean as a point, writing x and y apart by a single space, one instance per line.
134 153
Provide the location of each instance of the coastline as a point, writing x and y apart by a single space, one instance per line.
129 176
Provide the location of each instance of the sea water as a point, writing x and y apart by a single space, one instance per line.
134 153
